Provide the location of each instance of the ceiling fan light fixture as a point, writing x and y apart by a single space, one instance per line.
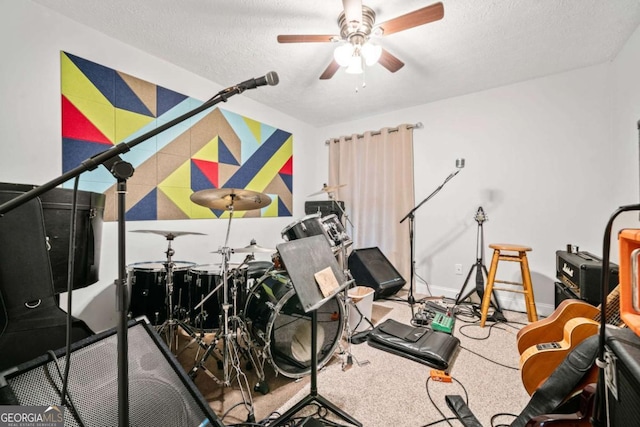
371 53
343 54
355 65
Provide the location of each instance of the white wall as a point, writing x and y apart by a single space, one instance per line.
540 162
31 38
548 159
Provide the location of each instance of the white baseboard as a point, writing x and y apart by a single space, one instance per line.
507 300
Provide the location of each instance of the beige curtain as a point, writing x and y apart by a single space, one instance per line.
377 168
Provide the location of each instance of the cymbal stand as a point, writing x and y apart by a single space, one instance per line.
169 326
332 196
342 257
231 350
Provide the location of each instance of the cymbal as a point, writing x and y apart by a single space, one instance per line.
252 248
327 189
230 198
169 235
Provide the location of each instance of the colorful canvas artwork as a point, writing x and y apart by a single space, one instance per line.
215 148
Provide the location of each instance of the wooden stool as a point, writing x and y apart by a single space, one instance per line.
527 287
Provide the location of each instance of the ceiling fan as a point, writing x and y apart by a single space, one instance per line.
357 24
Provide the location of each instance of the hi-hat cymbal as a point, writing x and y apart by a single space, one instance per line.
169 235
230 198
327 189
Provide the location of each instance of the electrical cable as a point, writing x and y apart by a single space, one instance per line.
69 403
444 417
502 414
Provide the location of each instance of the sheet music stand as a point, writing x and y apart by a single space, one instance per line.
303 258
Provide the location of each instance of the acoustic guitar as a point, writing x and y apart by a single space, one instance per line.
552 328
548 341
539 361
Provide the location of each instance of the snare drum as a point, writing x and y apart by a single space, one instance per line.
149 289
310 225
280 325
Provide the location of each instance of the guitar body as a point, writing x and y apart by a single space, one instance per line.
552 328
540 360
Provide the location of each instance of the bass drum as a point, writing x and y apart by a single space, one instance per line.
278 323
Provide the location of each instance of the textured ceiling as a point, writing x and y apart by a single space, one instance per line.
479 44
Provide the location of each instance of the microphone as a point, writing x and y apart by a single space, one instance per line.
459 166
271 79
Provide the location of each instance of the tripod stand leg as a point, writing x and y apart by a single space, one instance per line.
479 268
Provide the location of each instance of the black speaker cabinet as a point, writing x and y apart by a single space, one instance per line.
369 267
160 393
622 377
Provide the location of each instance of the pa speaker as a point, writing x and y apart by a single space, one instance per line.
160 393
369 267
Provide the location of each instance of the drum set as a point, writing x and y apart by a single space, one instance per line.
250 308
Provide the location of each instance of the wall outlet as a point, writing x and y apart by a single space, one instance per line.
458 269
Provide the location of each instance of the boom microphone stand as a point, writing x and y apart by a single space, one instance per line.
122 171
459 165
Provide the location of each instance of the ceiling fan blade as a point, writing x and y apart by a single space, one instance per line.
389 61
352 10
306 38
413 19
330 71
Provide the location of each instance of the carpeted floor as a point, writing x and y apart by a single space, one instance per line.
380 389
229 401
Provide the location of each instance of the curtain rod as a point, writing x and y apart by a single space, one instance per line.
418 125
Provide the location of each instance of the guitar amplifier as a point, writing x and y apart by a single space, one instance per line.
563 292
581 272
622 376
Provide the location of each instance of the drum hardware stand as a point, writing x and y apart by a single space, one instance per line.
170 326
346 364
479 268
411 216
230 347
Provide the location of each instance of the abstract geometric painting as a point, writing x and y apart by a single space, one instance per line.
102 107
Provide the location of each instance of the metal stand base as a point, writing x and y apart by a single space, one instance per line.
480 268
313 396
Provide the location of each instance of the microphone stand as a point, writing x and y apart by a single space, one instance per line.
122 171
411 299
